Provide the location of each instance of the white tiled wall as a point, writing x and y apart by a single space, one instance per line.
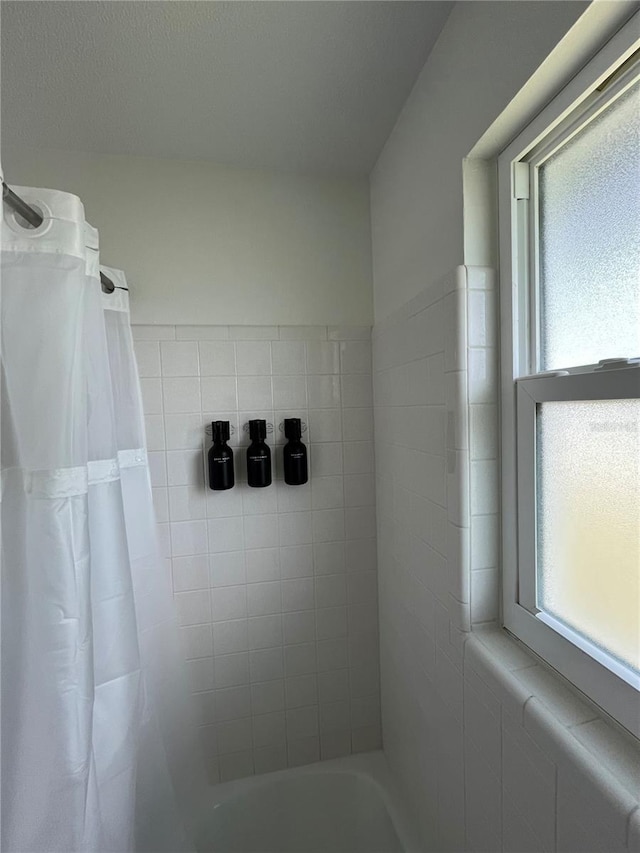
276 588
494 751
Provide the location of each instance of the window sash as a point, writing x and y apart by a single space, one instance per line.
614 384
528 217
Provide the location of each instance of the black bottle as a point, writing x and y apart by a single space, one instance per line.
221 474
258 456
296 469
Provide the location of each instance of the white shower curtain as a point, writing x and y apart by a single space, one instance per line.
97 744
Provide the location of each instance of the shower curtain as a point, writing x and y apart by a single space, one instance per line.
98 749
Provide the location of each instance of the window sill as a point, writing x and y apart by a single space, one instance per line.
574 734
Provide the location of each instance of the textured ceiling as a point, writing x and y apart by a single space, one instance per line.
305 86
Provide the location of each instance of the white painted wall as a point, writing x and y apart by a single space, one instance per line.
485 54
202 243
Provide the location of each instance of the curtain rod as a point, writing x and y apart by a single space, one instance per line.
34 219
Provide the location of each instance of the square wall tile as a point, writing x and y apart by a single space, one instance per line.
264 599
179 358
253 358
299 627
265 631
295 528
297 594
303 751
261 531
302 722
185 468
186 503
188 538
232 671
327 492
329 558
269 729
266 664
184 431
301 691
217 358
328 525
225 534
181 395
323 392
357 425
357 391
355 356
288 358
263 564
255 392
326 459
228 568
190 573
296 561
358 457
198 641
331 590
267 697
323 357
229 637
233 736
193 608
232 703
228 602
289 392
219 393
325 425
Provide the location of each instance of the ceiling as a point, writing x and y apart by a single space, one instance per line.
302 86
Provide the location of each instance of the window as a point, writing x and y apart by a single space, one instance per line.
570 240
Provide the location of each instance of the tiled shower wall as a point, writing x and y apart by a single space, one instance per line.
431 506
276 588
494 752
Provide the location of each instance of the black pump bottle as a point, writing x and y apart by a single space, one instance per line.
221 474
258 456
296 469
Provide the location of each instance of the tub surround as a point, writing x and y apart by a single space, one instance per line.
276 588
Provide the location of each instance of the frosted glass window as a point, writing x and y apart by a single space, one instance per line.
588 494
589 261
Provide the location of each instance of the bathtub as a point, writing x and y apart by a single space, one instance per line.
349 805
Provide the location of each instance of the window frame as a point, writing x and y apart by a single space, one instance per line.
611 71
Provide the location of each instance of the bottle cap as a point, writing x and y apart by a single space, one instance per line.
293 428
220 430
257 430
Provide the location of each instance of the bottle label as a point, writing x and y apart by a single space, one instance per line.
297 456
221 459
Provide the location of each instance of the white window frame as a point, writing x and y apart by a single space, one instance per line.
609 684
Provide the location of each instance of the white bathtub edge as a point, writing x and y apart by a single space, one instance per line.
372 765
